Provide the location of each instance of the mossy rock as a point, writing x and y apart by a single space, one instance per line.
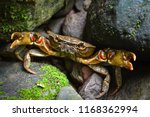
22 15
18 84
48 87
120 24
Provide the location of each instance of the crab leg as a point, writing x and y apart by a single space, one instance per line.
27 58
18 51
99 57
105 86
118 78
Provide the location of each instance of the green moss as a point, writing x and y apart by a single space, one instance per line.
48 87
10 98
2 93
14 19
133 31
1 83
18 13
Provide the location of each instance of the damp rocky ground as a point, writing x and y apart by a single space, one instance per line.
101 23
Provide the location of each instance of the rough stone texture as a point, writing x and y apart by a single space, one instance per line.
66 9
91 88
79 5
55 25
82 4
121 24
74 24
5 51
68 93
14 78
21 15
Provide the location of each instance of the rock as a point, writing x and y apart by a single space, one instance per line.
25 15
79 5
86 4
82 4
15 83
121 24
6 52
74 24
66 9
80 72
136 85
41 30
68 93
55 25
76 73
92 87
86 72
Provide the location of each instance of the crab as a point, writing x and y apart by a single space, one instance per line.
76 50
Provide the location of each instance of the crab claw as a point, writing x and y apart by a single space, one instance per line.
25 38
120 58
21 38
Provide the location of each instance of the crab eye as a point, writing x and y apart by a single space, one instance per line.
102 55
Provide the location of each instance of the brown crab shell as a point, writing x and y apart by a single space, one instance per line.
70 45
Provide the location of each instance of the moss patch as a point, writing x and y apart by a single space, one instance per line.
48 87
25 15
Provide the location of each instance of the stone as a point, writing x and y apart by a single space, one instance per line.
82 4
92 87
68 5
120 24
74 24
6 52
79 5
16 83
68 93
86 4
55 25
21 15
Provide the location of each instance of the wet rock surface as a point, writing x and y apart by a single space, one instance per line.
74 24
68 6
68 93
16 83
92 87
120 24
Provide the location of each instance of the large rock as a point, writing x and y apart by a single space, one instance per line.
68 93
15 83
92 87
121 24
25 15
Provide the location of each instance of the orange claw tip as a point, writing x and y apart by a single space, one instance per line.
131 67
